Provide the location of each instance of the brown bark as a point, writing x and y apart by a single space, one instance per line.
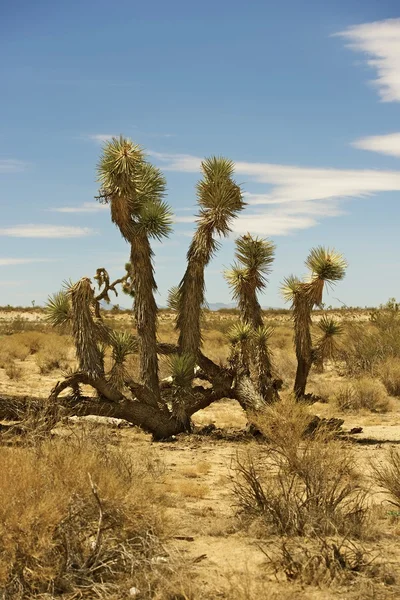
145 314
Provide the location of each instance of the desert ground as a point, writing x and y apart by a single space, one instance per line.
210 543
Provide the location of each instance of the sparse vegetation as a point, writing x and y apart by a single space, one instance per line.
364 393
94 511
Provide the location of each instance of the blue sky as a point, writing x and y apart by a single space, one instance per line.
303 95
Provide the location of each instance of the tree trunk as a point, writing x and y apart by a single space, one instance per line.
303 369
145 314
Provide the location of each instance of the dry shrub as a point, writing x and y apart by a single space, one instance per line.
387 475
13 371
368 344
300 486
364 393
75 515
389 373
323 390
320 562
12 348
285 365
53 354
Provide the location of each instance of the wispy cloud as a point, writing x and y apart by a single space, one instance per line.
86 207
385 144
11 282
9 165
100 138
45 231
296 197
190 219
380 41
5 262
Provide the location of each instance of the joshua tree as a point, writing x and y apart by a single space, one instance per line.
246 278
219 199
325 266
135 190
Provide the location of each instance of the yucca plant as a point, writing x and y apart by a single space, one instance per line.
123 344
219 199
240 336
326 267
326 345
246 278
263 363
135 190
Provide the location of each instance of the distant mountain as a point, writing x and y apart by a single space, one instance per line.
219 305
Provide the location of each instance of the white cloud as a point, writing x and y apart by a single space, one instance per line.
9 165
177 162
296 197
385 144
380 41
86 207
100 138
184 219
5 262
45 231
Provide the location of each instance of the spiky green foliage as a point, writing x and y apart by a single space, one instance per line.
290 286
58 309
123 344
263 362
182 368
326 346
249 276
326 266
118 169
173 298
240 337
220 199
155 219
240 332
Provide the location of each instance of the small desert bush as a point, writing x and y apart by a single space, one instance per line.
12 348
53 354
368 344
323 390
387 475
75 514
321 562
285 364
389 373
13 371
297 485
363 394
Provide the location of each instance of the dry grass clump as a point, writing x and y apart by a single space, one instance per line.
322 562
389 373
12 347
50 349
75 518
13 370
300 486
364 393
53 354
387 475
285 365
